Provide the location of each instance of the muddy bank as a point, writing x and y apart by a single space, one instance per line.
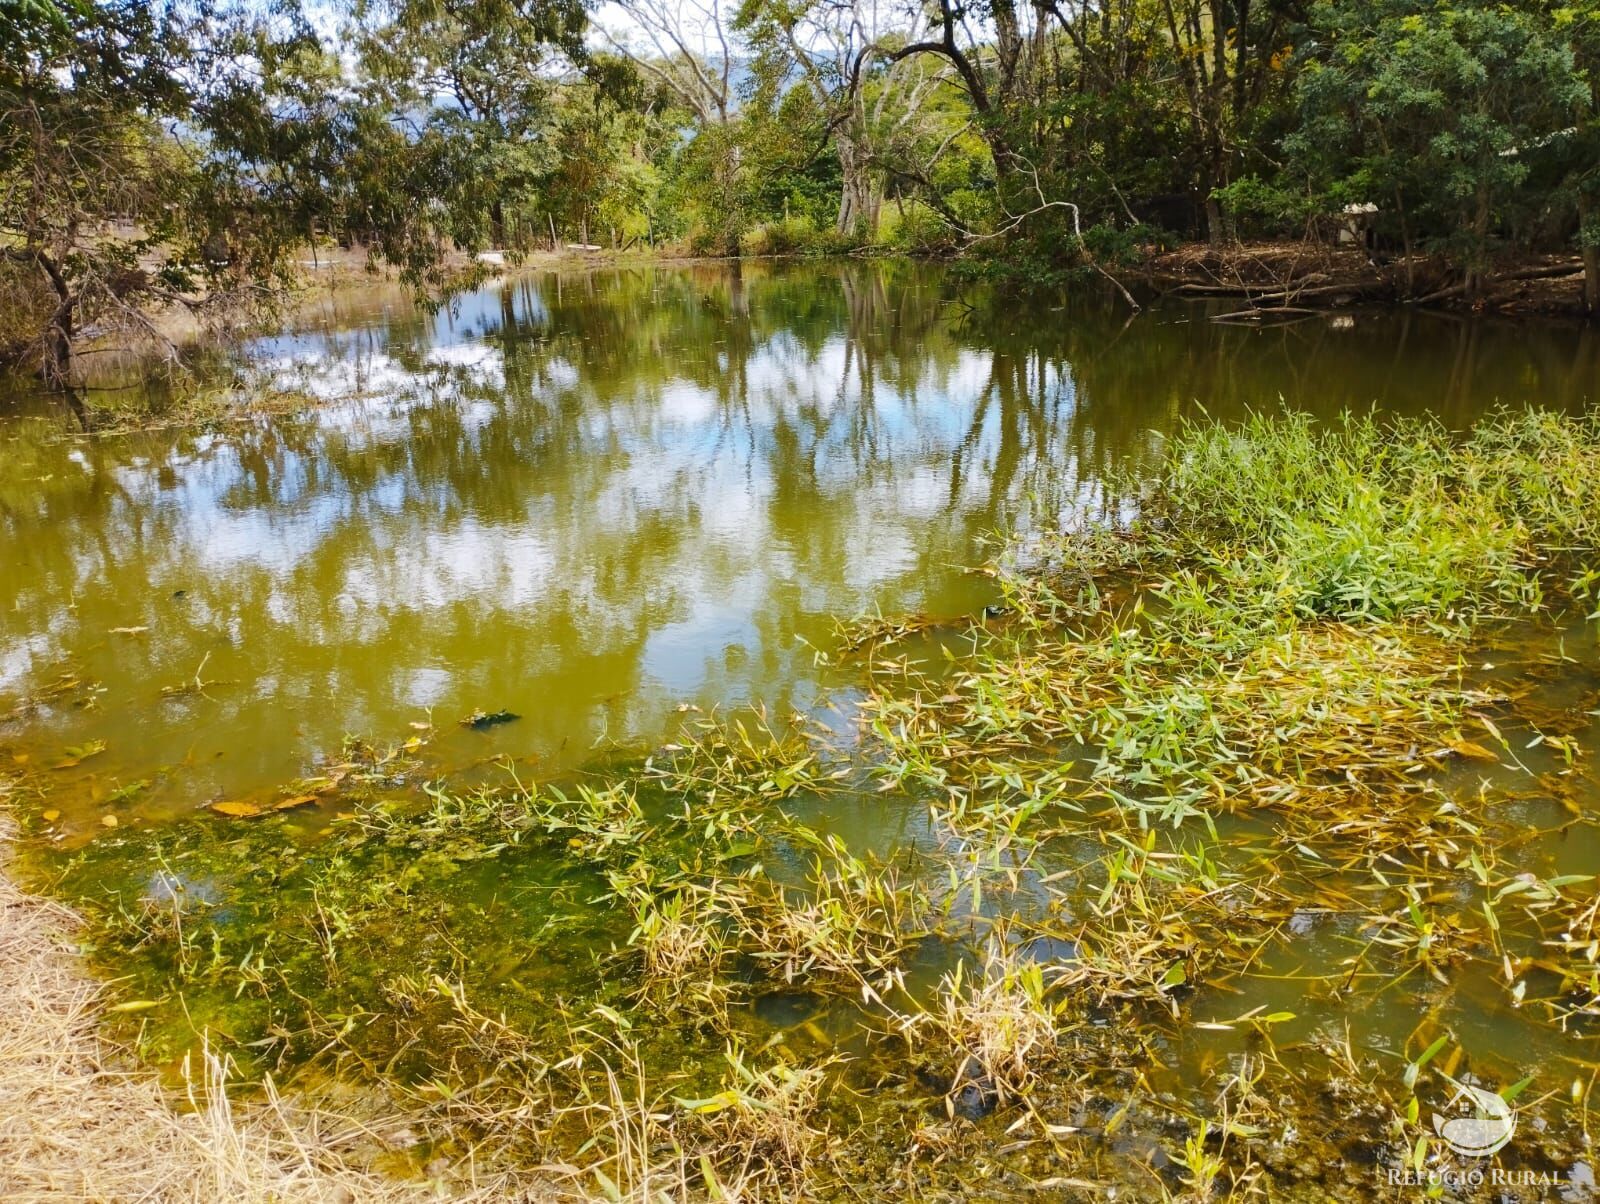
1279 279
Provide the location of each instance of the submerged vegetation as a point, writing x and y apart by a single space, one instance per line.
1223 775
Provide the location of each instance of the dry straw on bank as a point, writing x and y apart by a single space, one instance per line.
74 1126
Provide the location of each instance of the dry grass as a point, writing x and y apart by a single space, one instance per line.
1001 1023
75 1125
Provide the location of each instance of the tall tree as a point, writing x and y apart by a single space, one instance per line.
840 50
1435 107
481 76
104 208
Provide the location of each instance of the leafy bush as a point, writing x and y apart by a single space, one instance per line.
795 235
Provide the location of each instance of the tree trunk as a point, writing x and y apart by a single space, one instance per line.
1477 269
1215 234
57 366
56 361
858 201
1589 242
1405 243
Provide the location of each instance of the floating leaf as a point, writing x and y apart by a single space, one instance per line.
714 1103
479 720
123 793
237 810
134 1005
289 804
1413 1069
78 754
108 821
50 816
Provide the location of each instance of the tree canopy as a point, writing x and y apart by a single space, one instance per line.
183 151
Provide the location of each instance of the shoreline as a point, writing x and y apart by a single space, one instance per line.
1268 281
1282 276
82 1119
1289 278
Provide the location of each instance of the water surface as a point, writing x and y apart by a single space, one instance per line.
595 499
608 503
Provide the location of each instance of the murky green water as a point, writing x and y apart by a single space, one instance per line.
590 499
606 502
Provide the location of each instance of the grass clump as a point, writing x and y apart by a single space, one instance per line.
847 926
1000 1021
1278 625
1366 520
762 1125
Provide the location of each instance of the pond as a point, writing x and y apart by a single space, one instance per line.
567 520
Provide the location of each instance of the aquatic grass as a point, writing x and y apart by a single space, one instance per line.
596 823
1417 932
684 940
998 1022
1286 604
1202 1167
721 764
1385 520
875 631
1163 920
1169 749
623 1131
847 924
1566 912
1168 730
762 1125
83 1121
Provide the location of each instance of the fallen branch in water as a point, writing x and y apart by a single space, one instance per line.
1560 271
1298 312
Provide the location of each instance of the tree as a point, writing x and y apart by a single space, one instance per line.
480 76
1224 51
1575 153
840 51
154 155
1433 108
686 50
102 206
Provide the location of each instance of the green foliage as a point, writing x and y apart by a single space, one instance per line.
1367 521
1266 205
794 236
1435 110
209 142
